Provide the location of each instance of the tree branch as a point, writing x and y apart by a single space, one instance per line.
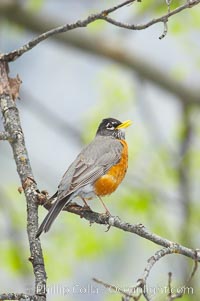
128 296
113 288
172 296
141 283
162 19
152 261
13 128
103 15
103 48
11 56
115 221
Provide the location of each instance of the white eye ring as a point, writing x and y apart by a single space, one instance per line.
109 126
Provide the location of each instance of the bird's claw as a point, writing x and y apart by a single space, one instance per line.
108 228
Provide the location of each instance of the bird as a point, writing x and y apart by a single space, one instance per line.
97 171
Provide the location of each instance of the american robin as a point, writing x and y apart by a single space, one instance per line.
97 171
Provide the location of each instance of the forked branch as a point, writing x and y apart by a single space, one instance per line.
103 15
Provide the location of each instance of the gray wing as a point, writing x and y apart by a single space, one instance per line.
93 162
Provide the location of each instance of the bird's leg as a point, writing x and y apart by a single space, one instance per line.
86 206
107 211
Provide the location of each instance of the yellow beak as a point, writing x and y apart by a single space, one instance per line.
124 124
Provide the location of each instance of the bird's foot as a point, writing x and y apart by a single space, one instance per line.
108 228
106 215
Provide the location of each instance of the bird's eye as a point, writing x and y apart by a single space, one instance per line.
110 126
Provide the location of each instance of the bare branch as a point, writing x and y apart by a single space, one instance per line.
124 293
162 19
103 15
115 221
170 284
11 56
151 262
168 2
165 30
195 267
171 296
103 48
112 287
13 128
141 283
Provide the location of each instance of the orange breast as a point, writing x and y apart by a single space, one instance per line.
109 182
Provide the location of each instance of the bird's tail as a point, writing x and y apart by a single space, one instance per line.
52 214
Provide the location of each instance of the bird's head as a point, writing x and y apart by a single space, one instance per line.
113 127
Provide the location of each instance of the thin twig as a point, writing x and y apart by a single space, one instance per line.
103 48
103 15
174 249
171 296
153 21
141 283
165 29
151 262
170 284
121 291
11 56
168 2
113 287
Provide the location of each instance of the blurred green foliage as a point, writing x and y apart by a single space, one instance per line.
176 24
146 196
34 5
157 7
97 26
116 95
14 258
